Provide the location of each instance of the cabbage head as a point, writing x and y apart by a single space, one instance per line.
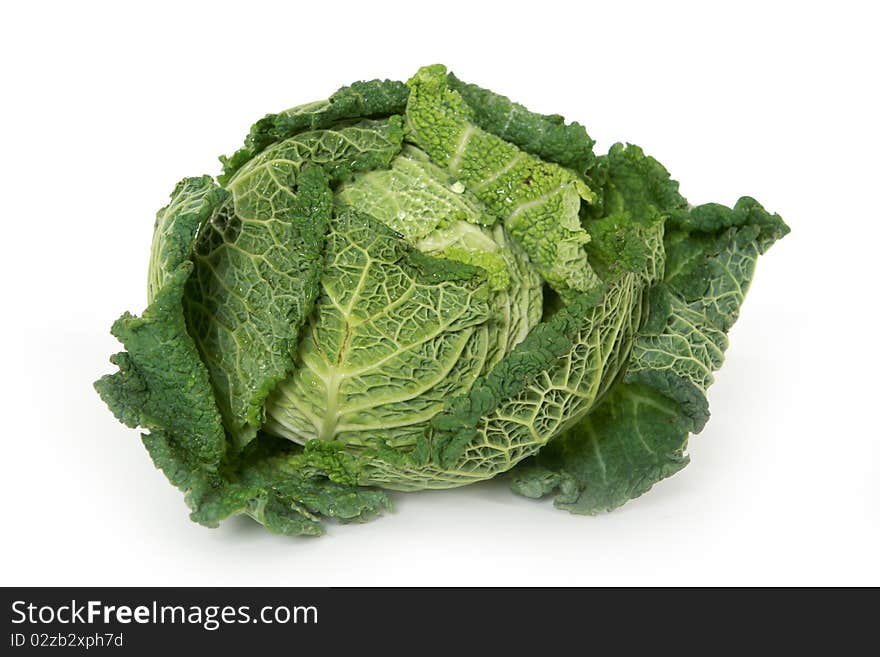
425 285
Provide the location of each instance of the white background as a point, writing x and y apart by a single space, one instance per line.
105 107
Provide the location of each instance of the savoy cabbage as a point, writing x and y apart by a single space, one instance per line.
423 285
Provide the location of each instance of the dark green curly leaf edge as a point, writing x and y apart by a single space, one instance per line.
638 435
164 387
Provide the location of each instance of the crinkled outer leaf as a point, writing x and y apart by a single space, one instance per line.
192 202
545 136
259 260
637 193
538 202
161 384
711 260
618 451
290 490
362 100
285 488
638 434
163 387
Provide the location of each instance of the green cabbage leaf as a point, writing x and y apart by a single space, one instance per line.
423 285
